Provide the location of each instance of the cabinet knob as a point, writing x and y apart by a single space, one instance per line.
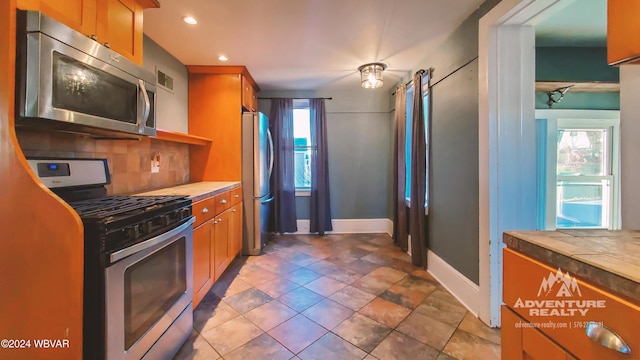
93 37
223 201
107 45
604 336
234 210
205 210
236 196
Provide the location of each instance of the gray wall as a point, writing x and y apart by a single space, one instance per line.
453 212
576 64
359 151
172 111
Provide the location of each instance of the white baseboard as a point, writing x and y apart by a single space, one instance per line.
352 226
463 289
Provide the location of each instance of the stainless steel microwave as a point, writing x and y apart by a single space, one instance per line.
67 81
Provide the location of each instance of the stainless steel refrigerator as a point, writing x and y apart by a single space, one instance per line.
257 167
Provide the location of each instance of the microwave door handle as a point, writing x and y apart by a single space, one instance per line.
147 106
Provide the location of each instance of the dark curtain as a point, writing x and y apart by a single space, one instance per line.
400 206
283 217
417 211
320 202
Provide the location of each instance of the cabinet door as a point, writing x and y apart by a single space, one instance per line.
249 99
202 263
220 244
235 231
521 342
79 15
119 26
623 44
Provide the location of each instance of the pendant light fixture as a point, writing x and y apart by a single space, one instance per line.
371 74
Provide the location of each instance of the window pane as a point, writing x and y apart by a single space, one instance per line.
580 204
302 158
408 134
581 152
301 142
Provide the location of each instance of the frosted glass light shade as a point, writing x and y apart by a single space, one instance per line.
371 75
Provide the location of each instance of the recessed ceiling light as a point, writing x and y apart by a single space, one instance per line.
223 58
189 20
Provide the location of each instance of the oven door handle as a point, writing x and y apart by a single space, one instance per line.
121 254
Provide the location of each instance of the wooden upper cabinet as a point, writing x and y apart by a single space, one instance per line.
119 27
113 23
623 27
216 96
79 15
249 97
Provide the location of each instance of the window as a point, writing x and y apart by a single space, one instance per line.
409 134
581 173
302 146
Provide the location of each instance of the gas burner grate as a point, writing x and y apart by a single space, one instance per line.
105 207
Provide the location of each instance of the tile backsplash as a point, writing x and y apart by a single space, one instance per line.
129 160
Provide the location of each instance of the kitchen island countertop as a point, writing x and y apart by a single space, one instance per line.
610 259
195 191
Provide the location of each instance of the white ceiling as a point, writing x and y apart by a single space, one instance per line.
307 44
579 23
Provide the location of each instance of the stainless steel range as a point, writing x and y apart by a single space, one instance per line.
137 265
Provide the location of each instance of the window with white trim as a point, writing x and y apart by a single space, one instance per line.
581 170
302 147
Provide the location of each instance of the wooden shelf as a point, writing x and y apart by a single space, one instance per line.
181 137
578 86
146 4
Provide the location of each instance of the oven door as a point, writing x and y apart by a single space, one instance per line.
149 289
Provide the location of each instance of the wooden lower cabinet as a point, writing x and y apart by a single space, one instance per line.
520 342
235 230
217 239
221 244
560 305
202 251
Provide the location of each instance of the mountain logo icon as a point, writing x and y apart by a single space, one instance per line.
563 284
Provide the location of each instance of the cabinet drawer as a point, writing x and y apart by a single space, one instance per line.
549 297
204 210
223 201
236 195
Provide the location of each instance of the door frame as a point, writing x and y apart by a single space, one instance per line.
506 151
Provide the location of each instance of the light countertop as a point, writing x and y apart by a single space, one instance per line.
610 259
195 191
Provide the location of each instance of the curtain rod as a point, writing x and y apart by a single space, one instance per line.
294 98
422 71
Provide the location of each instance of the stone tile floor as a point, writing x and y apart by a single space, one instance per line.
347 296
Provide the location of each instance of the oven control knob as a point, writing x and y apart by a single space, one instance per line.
147 227
185 213
134 232
164 220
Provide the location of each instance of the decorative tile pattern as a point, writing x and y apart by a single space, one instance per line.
270 315
328 313
247 300
300 299
426 330
262 347
196 348
467 346
331 346
385 312
325 286
297 333
352 297
334 297
231 335
399 346
362 332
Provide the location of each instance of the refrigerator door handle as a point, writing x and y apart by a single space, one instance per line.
271 152
266 201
